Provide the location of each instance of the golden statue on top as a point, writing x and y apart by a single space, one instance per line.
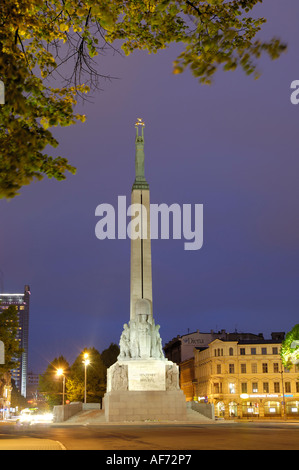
139 122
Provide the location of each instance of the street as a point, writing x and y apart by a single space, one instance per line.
160 437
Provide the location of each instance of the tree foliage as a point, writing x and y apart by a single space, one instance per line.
9 325
109 355
17 400
289 353
50 384
38 39
95 375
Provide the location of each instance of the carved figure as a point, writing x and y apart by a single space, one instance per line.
119 379
172 378
124 343
141 339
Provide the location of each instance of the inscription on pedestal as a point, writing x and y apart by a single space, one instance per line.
146 376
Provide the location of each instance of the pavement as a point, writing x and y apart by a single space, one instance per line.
97 417
19 441
29 443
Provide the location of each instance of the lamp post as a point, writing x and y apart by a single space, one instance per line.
283 397
60 372
85 362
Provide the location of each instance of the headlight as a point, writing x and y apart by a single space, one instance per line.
25 418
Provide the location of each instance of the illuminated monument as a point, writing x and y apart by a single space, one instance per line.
142 384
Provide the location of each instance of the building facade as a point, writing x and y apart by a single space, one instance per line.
187 379
22 302
181 348
244 378
34 397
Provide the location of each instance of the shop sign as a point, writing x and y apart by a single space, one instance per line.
257 395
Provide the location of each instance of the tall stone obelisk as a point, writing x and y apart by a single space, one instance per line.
141 258
142 384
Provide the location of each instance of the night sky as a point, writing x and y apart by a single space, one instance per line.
232 147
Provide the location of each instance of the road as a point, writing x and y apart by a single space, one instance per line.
166 437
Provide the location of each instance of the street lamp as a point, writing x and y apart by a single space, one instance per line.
283 397
85 362
60 372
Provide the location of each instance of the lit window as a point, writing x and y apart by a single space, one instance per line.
275 367
265 368
276 387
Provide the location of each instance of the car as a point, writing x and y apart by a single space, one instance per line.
30 416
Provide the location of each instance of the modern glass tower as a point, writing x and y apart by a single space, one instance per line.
21 301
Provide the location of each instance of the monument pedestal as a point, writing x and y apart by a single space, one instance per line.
144 390
150 405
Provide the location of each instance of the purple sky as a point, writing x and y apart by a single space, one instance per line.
232 147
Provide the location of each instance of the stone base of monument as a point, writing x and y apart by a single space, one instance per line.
151 405
144 390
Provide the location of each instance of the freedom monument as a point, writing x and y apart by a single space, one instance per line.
142 385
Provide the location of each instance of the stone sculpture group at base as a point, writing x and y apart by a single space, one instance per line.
140 338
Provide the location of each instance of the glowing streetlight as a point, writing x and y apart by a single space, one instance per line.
85 362
60 372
